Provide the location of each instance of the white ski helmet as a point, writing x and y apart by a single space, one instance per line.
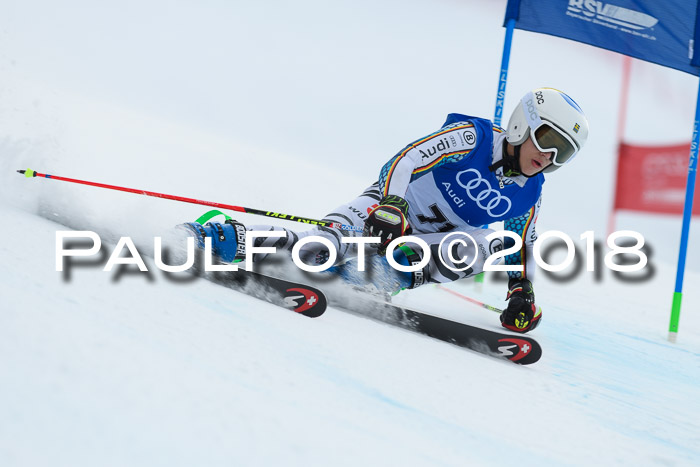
553 121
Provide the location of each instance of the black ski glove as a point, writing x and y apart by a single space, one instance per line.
387 221
521 315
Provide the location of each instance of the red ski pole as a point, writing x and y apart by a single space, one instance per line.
29 173
469 299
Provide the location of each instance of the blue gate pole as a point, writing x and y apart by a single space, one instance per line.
501 94
687 214
503 79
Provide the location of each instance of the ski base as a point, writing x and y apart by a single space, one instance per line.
516 348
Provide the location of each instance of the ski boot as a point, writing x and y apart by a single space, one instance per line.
227 238
379 277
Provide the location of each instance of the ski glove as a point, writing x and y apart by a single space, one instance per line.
387 221
521 315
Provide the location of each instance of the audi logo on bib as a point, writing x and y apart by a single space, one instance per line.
480 191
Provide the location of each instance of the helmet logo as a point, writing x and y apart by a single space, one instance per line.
540 97
531 109
576 127
532 117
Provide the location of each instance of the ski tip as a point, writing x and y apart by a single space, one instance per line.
521 350
307 301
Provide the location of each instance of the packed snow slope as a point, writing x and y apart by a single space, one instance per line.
294 107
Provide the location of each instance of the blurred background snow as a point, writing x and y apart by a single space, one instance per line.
294 107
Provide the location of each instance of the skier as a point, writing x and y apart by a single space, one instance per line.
464 176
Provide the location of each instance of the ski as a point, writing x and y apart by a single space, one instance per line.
516 348
300 298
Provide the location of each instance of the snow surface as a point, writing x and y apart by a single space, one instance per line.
294 107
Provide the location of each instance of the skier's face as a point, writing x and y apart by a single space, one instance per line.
532 160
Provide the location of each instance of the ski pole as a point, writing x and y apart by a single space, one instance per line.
29 173
469 299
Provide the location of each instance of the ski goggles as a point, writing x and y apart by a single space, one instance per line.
549 138
546 136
